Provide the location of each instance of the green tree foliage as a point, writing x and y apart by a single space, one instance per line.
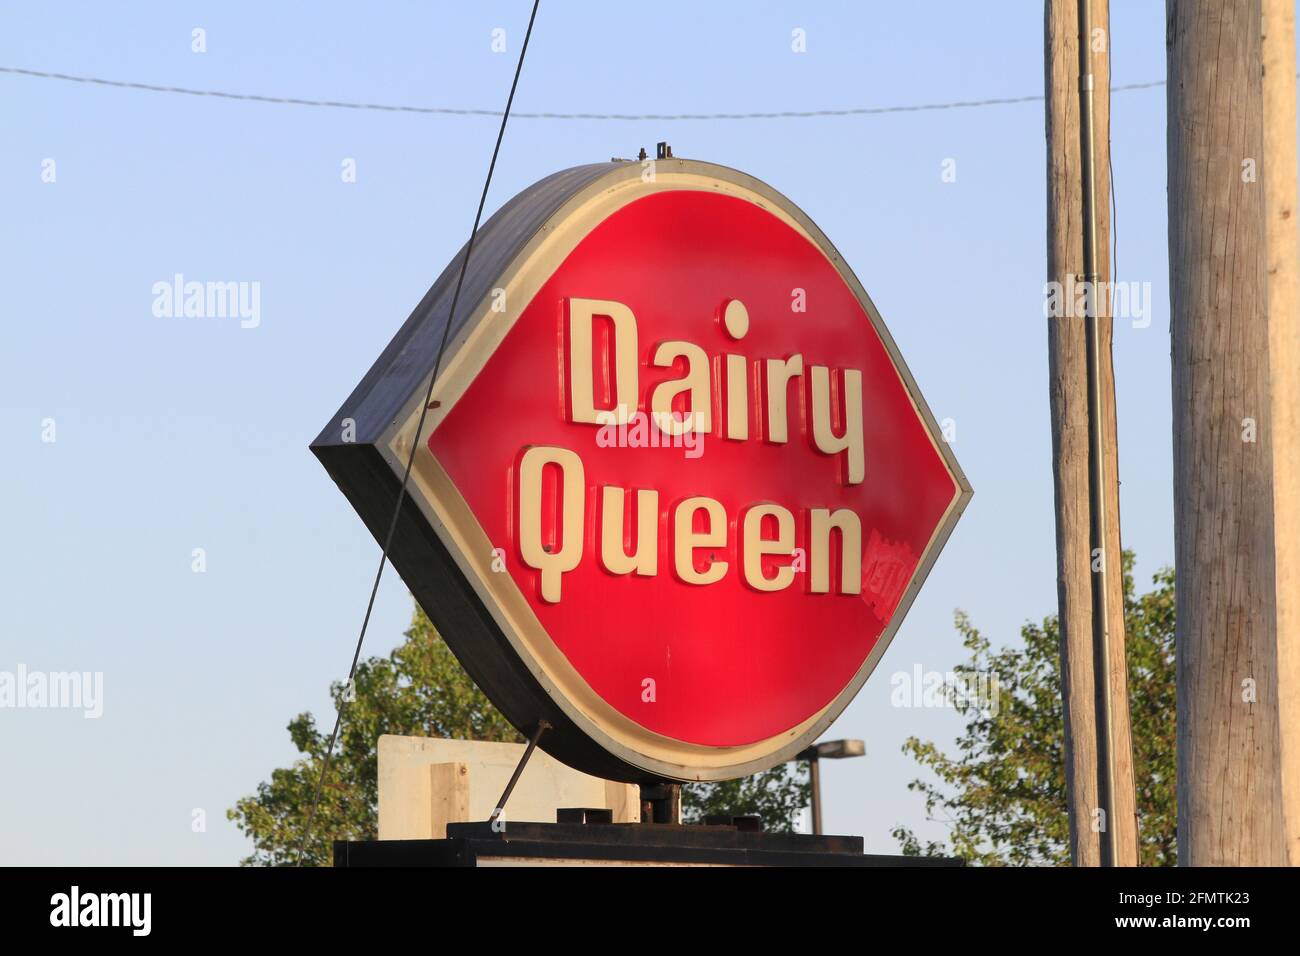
1003 794
420 689
777 796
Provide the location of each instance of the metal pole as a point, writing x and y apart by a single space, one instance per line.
815 778
542 727
1096 459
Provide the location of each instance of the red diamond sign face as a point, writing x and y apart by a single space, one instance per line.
676 488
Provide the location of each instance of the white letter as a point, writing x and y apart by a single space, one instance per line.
614 538
695 381
849 525
824 438
686 540
582 401
535 552
756 546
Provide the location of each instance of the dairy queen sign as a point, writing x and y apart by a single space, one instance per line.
675 488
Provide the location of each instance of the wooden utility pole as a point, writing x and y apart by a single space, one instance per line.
1233 261
1086 752
1282 238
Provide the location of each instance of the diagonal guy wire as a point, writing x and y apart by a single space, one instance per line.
419 429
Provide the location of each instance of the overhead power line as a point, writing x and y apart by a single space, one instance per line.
632 117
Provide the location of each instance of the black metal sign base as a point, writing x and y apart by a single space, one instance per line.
617 844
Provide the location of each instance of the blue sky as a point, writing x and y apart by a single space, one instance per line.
180 434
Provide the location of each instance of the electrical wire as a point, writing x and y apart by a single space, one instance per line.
419 429
629 117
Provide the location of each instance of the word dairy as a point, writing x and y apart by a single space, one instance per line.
751 398
699 389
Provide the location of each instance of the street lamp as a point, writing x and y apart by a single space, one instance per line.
829 750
